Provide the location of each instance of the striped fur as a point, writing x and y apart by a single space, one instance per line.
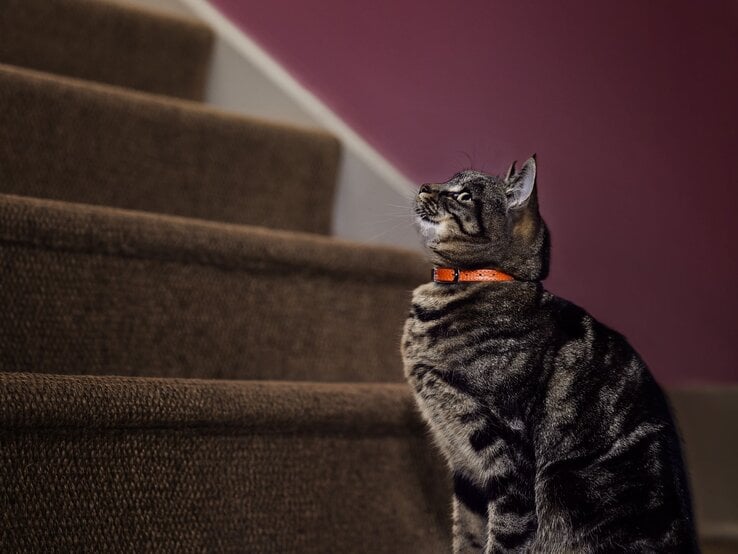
557 436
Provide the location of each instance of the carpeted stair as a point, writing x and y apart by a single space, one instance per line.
151 247
82 142
104 291
187 361
172 465
108 43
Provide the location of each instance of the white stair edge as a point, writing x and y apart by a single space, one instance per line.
372 199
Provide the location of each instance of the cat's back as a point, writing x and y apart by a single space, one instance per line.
606 425
582 348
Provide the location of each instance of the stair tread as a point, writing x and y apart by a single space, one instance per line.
115 402
109 42
72 140
78 227
108 291
166 465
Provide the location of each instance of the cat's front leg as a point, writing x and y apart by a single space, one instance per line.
496 518
469 516
511 517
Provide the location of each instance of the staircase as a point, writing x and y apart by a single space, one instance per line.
188 362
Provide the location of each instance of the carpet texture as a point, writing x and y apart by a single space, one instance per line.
708 418
187 362
107 42
70 140
144 465
104 291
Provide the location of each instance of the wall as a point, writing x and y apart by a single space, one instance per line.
631 107
244 78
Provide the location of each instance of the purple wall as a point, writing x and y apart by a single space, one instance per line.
632 107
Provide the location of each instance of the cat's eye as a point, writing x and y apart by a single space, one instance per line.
463 196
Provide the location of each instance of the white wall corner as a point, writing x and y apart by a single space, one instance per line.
372 202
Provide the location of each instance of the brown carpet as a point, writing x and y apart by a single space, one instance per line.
143 465
70 140
719 546
106 42
103 291
708 417
156 460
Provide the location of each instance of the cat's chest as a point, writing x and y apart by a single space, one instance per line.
445 392
463 360
440 336
444 325
431 327
466 342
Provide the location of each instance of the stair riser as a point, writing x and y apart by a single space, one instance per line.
107 42
217 491
89 290
78 313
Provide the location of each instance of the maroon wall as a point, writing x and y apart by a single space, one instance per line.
632 107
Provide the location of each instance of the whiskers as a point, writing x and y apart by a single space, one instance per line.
408 197
395 218
397 226
393 210
469 159
392 221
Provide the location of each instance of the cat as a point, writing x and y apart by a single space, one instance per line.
557 435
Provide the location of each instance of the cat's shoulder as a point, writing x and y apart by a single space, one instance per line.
574 322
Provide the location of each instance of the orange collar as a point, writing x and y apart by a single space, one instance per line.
453 275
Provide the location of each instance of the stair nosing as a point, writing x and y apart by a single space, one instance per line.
123 16
82 228
161 100
63 402
154 12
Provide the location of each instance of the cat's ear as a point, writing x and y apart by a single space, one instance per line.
520 186
510 172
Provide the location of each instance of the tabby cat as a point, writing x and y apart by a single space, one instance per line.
557 435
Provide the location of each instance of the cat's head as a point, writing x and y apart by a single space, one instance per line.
476 220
